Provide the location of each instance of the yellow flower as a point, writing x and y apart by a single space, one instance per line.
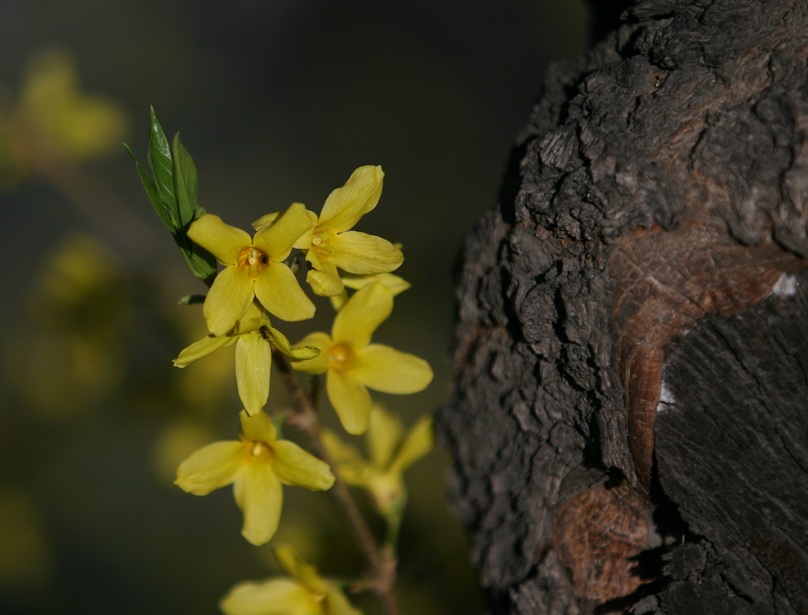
252 335
391 453
352 364
257 465
254 268
54 118
331 244
303 592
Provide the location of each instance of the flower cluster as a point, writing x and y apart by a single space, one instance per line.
253 283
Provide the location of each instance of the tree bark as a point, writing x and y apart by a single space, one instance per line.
629 419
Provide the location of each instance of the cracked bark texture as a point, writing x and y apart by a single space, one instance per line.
656 199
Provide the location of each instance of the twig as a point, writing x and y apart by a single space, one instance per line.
382 560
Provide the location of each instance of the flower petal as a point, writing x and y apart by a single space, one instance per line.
201 348
259 495
278 291
318 364
362 314
273 597
257 427
211 467
383 436
396 284
345 206
296 353
253 362
419 442
387 370
324 284
278 238
337 604
362 253
294 466
348 463
225 242
265 220
227 300
300 571
351 400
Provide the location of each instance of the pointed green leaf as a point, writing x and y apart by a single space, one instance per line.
192 300
163 212
162 166
201 262
185 179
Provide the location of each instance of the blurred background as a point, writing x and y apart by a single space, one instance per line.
277 101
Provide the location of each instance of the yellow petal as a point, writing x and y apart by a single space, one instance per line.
257 428
362 253
384 369
383 436
278 238
362 314
418 443
345 206
211 467
278 291
300 571
348 463
201 348
339 451
337 604
296 353
273 597
294 466
318 364
324 284
227 300
396 284
265 220
259 495
253 363
225 242
351 400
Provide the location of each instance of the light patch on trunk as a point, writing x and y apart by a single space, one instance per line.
786 285
665 398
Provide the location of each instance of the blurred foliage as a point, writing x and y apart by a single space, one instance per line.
279 101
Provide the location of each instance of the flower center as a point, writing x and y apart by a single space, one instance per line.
259 449
340 356
252 261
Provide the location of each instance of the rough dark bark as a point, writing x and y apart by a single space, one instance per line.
630 416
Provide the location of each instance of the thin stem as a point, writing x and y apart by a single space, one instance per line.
382 560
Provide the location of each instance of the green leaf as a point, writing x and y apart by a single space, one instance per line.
163 212
201 262
185 180
192 300
162 166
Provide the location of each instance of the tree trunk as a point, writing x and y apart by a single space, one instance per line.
630 414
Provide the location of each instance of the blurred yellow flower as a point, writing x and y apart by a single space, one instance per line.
390 454
252 335
26 559
254 268
303 592
352 364
257 465
331 244
53 118
76 320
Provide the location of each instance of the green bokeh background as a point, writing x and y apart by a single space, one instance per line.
278 101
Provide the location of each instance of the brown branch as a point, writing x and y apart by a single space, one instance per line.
382 560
